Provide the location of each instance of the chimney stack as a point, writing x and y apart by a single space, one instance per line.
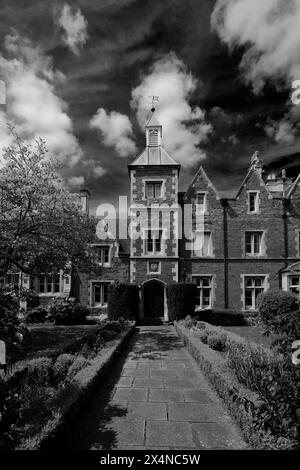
85 196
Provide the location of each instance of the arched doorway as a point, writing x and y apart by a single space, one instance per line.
154 299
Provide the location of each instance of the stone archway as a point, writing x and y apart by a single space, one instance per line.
154 299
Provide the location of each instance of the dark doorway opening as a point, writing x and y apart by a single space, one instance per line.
154 299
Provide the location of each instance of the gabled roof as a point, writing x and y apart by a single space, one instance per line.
201 172
257 172
293 186
154 156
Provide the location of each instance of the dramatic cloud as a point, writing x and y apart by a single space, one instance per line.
99 171
116 130
269 31
282 131
75 28
33 106
184 127
76 181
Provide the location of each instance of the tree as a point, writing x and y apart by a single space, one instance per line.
42 226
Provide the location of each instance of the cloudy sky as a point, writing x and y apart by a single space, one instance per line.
79 74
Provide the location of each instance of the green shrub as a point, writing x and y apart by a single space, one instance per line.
123 301
68 312
200 325
115 326
217 342
11 329
79 363
275 381
37 315
222 317
279 314
62 365
39 372
181 300
246 406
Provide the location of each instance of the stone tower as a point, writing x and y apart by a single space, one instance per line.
154 221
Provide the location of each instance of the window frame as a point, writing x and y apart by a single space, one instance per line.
262 288
153 184
101 258
257 201
201 288
252 243
6 284
210 245
101 283
295 285
154 239
52 283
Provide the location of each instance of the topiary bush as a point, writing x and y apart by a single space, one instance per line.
123 301
68 312
217 342
279 314
181 300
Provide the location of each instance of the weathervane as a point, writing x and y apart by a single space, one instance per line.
154 99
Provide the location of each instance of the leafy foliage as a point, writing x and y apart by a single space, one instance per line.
181 298
275 381
123 301
279 314
67 312
37 315
37 390
11 328
42 225
222 317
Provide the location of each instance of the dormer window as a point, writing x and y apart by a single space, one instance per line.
253 202
153 137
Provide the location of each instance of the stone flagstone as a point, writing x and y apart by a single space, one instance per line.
156 398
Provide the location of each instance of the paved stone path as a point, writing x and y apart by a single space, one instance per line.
156 399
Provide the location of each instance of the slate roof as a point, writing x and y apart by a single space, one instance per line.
154 156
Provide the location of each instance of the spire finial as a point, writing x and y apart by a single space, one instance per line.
154 99
255 159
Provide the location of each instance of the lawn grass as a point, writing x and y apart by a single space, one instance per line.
251 333
44 339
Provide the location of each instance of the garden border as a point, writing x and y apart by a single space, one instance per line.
87 380
242 403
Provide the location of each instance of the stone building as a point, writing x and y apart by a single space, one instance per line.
237 245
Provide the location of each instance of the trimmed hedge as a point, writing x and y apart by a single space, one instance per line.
222 317
123 301
245 405
181 299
